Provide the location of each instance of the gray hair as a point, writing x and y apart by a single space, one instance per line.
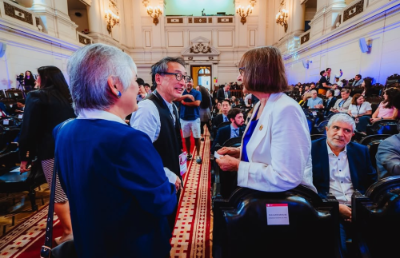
345 118
314 91
89 69
162 66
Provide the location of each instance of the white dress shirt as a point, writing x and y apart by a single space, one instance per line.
360 110
147 120
340 184
246 99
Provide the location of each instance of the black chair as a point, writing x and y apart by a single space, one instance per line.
233 142
15 94
242 227
376 219
320 128
372 142
317 136
385 126
12 182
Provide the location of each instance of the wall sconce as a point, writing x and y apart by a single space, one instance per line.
244 13
154 13
253 3
111 19
282 16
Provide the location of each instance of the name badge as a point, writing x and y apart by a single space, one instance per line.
183 163
314 113
20 116
277 214
6 122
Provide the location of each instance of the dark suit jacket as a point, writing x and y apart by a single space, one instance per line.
111 172
221 94
3 108
224 134
217 120
362 172
388 157
43 111
329 106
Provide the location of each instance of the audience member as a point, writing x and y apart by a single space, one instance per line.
190 119
386 109
360 110
357 81
314 101
312 86
367 85
388 156
278 124
142 91
328 76
323 84
343 104
223 117
205 110
340 166
224 93
330 101
337 81
158 117
336 89
29 81
147 88
235 129
46 108
111 172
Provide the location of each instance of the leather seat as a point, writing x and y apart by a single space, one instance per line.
385 126
376 218
241 226
317 136
372 142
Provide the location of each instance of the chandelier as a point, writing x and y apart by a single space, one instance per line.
154 13
111 19
282 16
244 13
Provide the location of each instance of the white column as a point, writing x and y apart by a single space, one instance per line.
94 17
298 17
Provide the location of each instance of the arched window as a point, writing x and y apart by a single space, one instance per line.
204 72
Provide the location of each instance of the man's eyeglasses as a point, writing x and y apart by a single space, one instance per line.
241 70
178 76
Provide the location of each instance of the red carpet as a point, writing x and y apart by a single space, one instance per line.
191 237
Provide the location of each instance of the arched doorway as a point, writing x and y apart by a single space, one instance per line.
202 75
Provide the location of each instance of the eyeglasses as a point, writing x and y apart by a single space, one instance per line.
178 76
241 70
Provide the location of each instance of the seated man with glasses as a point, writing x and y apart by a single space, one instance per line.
342 105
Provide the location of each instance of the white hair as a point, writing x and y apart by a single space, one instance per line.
89 69
345 118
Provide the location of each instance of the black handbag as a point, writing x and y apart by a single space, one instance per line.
66 249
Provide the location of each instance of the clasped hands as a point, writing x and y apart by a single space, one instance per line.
230 159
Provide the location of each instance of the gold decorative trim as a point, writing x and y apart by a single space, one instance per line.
174 20
84 40
225 20
190 20
209 20
305 38
200 20
353 10
18 13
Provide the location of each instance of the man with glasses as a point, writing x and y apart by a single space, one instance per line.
342 105
190 119
158 117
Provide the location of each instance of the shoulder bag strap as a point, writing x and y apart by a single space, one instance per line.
45 252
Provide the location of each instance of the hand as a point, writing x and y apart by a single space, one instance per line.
234 152
20 105
23 167
190 97
178 184
345 212
228 163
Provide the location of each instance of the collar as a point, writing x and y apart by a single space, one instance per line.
331 152
169 105
99 114
233 128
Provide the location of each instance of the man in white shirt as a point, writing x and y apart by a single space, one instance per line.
340 167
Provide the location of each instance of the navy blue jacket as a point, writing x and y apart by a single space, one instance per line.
118 193
224 134
362 172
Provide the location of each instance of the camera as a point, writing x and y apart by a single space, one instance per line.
20 77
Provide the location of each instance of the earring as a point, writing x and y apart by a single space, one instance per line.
119 94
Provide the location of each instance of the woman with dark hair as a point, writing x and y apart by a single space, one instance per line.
266 160
205 109
386 109
361 111
367 84
44 109
29 81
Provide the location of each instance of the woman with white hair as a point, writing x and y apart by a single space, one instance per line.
114 178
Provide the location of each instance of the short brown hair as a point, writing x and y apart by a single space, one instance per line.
355 97
233 113
264 70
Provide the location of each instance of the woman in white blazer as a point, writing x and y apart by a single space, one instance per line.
275 154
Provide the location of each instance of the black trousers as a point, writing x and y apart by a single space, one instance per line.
172 216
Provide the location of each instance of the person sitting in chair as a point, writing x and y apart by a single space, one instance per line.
339 167
388 156
223 117
235 129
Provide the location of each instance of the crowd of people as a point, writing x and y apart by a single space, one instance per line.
119 160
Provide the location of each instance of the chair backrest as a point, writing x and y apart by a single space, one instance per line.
294 223
385 126
233 142
373 138
14 94
375 217
2 95
317 136
223 124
